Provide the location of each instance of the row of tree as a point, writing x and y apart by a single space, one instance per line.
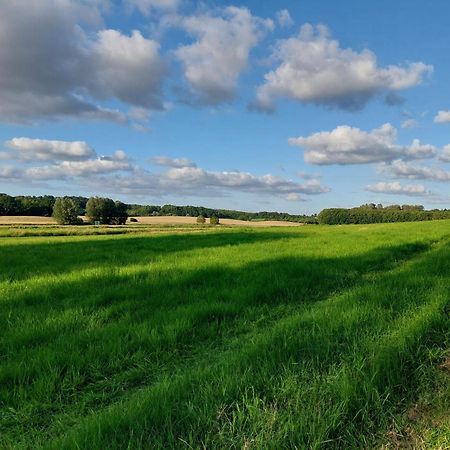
195 211
106 211
98 209
393 213
43 206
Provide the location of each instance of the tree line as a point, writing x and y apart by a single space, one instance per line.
107 211
370 213
43 206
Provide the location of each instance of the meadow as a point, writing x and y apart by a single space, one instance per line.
314 337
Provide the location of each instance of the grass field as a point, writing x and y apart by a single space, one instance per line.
305 337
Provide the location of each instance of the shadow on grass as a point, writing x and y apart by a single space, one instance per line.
152 325
199 297
55 256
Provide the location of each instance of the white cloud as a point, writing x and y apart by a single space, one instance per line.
397 189
169 162
71 169
348 145
213 63
47 150
442 117
284 18
315 69
147 7
128 68
10 173
409 123
445 156
56 61
194 181
402 169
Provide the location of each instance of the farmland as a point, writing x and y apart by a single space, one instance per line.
200 337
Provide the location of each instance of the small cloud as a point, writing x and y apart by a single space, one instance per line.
284 19
442 117
409 123
395 188
293 197
170 162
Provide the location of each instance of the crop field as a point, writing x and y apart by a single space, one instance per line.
314 337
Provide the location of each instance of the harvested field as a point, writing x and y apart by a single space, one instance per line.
152 220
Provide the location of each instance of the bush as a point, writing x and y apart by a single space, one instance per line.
201 219
132 219
65 211
214 220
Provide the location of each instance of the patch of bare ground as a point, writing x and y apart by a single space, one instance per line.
426 424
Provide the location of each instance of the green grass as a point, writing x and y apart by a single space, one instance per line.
309 338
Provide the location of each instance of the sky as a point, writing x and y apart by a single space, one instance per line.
256 105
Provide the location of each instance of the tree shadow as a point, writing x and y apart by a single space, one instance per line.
19 261
131 328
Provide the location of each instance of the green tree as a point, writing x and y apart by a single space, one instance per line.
101 209
120 213
65 211
201 219
8 205
214 220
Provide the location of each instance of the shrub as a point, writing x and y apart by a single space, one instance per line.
65 211
214 220
132 219
201 219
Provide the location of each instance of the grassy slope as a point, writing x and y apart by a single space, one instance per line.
310 338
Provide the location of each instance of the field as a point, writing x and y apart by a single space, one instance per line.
307 337
151 220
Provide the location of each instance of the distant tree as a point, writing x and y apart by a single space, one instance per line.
101 209
201 219
8 205
214 220
120 213
65 211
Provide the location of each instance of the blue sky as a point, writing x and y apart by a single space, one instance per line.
257 105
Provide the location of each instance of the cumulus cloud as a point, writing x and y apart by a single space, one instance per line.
56 61
47 150
284 18
128 68
315 69
170 162
397 189
348 145
213 63
402 169
442 117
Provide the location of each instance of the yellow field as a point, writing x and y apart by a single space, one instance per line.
153 220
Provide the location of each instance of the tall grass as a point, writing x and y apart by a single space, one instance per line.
277 338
